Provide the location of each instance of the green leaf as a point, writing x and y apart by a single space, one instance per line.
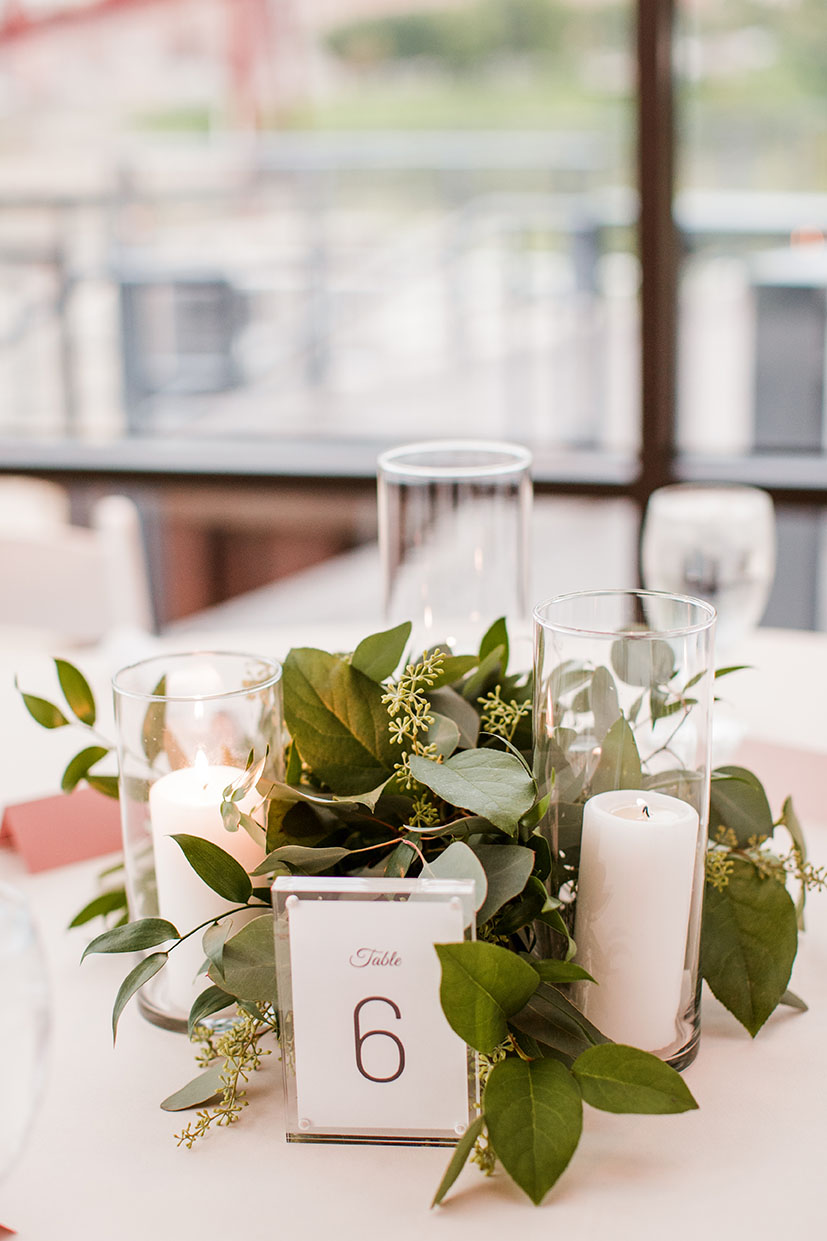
454 668
485 782
135 979
489 669
550 1017
460 862
336 717
306 861
442 734
643 661
107 903
205 1088
616 1078
152 730
496 637
558 972
457 1162
79 766
134 937
528 906
44 713
791 821
724 672
213 1000
213 941
534 1115
248 968
619 765
748 943
482 986
507 868
378 656
448 702
737 801
219 870
604 701
791 1000
76 691
108 785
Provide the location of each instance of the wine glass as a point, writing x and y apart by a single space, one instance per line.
25 1030
715 543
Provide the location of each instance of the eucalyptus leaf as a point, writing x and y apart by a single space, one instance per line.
482 986
442 734
395 864
78 767
791 821
76 691
619 764
459 1158
568 676
337 719
738 803
134 937
604 701
460 862
213 941
791 1000
534 1115
281 792
248 967
642 660
212 1000
616 1078
748 943
135 979
448 702
378 656
219 869
301 858
507 868
485 782
207 1087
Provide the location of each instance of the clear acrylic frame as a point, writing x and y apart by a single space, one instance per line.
367 1053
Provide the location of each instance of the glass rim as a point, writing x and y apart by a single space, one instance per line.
517 459
709 614
252 687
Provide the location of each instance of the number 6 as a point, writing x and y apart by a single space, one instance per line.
362 1038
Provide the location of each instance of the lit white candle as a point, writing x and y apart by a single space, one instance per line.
637 867
188 800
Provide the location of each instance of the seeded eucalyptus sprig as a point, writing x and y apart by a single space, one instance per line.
398 766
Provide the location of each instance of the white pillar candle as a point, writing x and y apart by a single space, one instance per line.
188 801
637 866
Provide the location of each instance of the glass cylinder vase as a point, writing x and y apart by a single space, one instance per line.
454 530
187 727
622 715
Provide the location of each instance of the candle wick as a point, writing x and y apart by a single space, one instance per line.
646 810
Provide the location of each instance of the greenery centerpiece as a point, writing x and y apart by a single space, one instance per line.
403 768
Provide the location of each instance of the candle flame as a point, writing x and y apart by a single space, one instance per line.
201 762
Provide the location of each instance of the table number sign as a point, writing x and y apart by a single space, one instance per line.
367 1053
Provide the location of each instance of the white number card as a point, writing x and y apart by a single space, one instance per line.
367 1052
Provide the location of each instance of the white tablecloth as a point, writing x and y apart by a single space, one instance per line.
102 1163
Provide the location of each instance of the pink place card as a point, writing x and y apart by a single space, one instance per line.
787 772
55 831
